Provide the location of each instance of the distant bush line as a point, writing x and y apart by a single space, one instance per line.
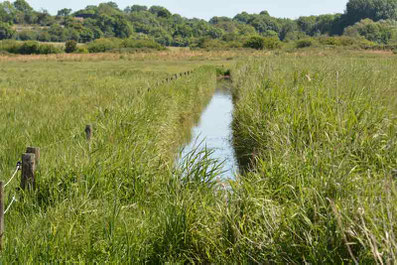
131 46
97 46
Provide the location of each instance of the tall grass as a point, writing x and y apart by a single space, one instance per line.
120 201
317 139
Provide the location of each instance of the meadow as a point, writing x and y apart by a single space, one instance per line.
315 135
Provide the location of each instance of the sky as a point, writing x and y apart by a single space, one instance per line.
207 9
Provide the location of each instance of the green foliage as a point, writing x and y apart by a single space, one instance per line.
382 32
6 32
303 43
70 46
122 200
210 44
114 44
28 47
261 43
376 10
107 21
317 139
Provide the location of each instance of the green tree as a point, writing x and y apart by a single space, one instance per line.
7 12
135 8
6 32
22 6
64 12
160 11
376 10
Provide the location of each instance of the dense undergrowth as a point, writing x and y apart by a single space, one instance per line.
317 137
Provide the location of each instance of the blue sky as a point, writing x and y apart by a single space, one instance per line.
209 8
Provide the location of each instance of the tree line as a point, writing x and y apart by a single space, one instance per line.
374 20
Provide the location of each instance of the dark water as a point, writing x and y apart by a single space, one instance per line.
214 131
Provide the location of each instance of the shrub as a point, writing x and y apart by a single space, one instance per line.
272 43
82 50
28 47
70 46
48 49
337 41
261 43
127 45
255 42
103 45
304 43
140 44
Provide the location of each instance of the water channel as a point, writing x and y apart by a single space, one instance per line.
214 130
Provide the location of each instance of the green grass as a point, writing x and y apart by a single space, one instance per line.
316 137
122 200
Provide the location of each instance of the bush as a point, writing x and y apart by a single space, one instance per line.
272 43
255 42
114 44
70 46
212 44
48 49
337 41
304 43
82 50
140 44
28 47
261 43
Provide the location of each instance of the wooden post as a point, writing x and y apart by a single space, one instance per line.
1 214
28 168
36 152
88 132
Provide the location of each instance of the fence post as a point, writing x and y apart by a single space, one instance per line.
1 214
36 152
88 132
28 168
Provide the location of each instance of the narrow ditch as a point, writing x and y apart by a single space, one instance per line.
214 130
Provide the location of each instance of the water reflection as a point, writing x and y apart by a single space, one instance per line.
214 131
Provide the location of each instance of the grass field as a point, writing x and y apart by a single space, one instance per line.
318 139
315 135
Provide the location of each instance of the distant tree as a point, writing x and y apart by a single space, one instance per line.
6 32
121 27
22 6
64 12
243 17
135 8
160 11
376 10
219 20
7 12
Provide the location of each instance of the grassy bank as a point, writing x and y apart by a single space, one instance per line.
119 200
317 137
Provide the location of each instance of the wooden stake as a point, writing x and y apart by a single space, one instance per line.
35 151
28 169
1 214
88 132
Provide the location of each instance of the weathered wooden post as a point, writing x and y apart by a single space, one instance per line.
28 170
1 214
35 151
88 132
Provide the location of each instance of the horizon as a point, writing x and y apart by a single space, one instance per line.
193 9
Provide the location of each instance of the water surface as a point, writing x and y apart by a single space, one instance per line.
214 131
